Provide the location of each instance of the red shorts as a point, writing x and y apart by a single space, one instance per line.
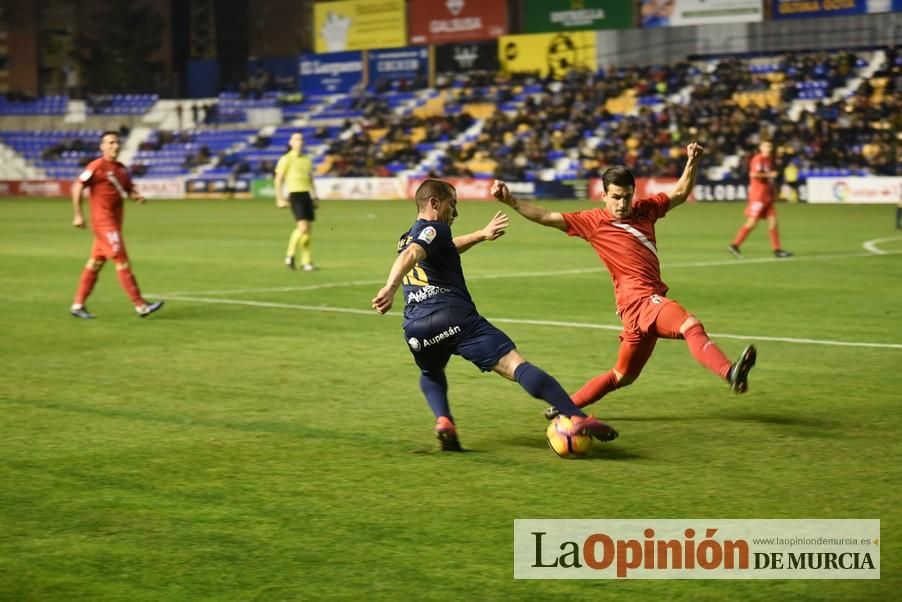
639 316
640 331
759 209
108 244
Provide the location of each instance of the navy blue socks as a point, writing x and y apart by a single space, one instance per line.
542 385
435 387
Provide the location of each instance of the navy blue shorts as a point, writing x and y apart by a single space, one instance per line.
433 339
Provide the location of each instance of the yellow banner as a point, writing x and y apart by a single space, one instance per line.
359 25
548 53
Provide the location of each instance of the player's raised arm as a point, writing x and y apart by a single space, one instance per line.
493 231
407 258
533 213
686 182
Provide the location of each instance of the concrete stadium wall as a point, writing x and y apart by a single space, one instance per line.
666 45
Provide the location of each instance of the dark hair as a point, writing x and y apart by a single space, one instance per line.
433 188
619 176
108 133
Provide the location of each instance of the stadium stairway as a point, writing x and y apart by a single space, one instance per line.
132 143
865 73
14 167
76 112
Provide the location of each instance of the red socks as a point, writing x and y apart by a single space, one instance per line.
706 352
130 286
774 238
85 285
741 236
595 389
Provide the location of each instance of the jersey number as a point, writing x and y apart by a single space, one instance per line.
416 276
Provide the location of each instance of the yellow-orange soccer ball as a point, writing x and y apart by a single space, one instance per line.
563 443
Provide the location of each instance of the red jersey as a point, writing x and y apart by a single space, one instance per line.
627 247
761 190
110 184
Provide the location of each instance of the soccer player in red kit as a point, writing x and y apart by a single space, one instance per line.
762 194
623 235
109 183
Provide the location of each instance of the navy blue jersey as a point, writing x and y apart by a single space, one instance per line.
437 281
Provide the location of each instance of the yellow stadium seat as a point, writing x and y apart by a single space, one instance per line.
377 134
417 135
479 110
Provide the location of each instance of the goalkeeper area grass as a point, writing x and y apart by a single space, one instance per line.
263 436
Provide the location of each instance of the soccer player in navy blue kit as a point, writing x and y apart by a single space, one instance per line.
440 318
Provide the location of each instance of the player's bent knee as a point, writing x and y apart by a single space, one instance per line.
123 265
624 379
508 364
688 323
95 264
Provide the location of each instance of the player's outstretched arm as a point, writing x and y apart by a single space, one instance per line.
493 231
384 299
533 213
686 182
78 218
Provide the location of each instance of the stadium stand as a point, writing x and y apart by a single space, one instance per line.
829 113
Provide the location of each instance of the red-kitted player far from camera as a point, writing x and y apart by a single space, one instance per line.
110 183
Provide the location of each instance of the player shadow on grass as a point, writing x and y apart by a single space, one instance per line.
599 451
808 426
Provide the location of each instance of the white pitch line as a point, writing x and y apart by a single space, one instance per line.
571 272
871 245
555 323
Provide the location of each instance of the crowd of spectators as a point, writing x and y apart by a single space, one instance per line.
520 127
571 120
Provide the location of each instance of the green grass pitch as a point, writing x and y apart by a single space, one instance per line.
253 441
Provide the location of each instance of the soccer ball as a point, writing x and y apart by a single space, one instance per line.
563 443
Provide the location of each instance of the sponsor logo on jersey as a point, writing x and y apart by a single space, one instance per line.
427 234
445 334
427 292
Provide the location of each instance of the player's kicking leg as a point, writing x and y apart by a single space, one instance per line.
542 385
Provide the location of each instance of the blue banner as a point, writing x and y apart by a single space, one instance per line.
807 9
397 64
330 73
